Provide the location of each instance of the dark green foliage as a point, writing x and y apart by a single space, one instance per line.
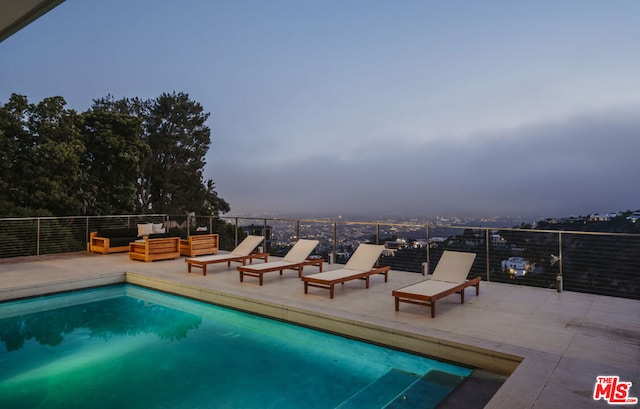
121 156
171 175
113 162
226 234
41 157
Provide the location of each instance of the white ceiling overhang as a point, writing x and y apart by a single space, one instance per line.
17 14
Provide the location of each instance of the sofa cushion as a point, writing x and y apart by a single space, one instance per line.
114 232
159 235
176 232
145 229
121 241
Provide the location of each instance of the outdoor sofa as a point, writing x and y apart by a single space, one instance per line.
117 239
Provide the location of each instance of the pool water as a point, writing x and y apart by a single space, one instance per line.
129 347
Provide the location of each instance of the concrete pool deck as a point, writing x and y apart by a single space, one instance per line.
556 344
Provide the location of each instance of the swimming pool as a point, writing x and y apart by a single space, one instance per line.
126 346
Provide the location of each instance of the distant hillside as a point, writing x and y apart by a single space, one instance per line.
622 222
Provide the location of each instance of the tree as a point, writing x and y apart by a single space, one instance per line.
171 178
179 140
121 156
15 141
212 203
41 164
112 164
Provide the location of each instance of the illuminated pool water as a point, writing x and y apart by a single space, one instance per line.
129 347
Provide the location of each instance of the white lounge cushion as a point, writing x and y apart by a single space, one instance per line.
301 250
247 246
453 267
244 249
336 274
429 287
364 258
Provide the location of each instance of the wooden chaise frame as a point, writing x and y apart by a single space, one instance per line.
296 259
257 271
329 284
430 300
242 253
202 262
359 267
449 277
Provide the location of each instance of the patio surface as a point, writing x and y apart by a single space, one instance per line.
560 342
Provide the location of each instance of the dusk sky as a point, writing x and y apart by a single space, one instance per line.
424 108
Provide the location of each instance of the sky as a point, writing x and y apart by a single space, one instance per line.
415 108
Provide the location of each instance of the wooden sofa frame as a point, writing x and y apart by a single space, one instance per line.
155 249
103 245
198 245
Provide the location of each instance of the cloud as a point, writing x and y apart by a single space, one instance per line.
582 165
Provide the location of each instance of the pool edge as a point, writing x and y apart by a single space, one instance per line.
455 352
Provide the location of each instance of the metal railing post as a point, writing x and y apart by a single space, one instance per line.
559 277
264 234
236 234
335 241
86 233
487 237
426 270
560 251
38 237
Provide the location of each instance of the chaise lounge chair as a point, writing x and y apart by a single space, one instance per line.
296 259
450 276
359 266
241 253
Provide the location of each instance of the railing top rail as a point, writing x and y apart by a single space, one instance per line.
345 222
589 233
2 219
436 226
339 222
